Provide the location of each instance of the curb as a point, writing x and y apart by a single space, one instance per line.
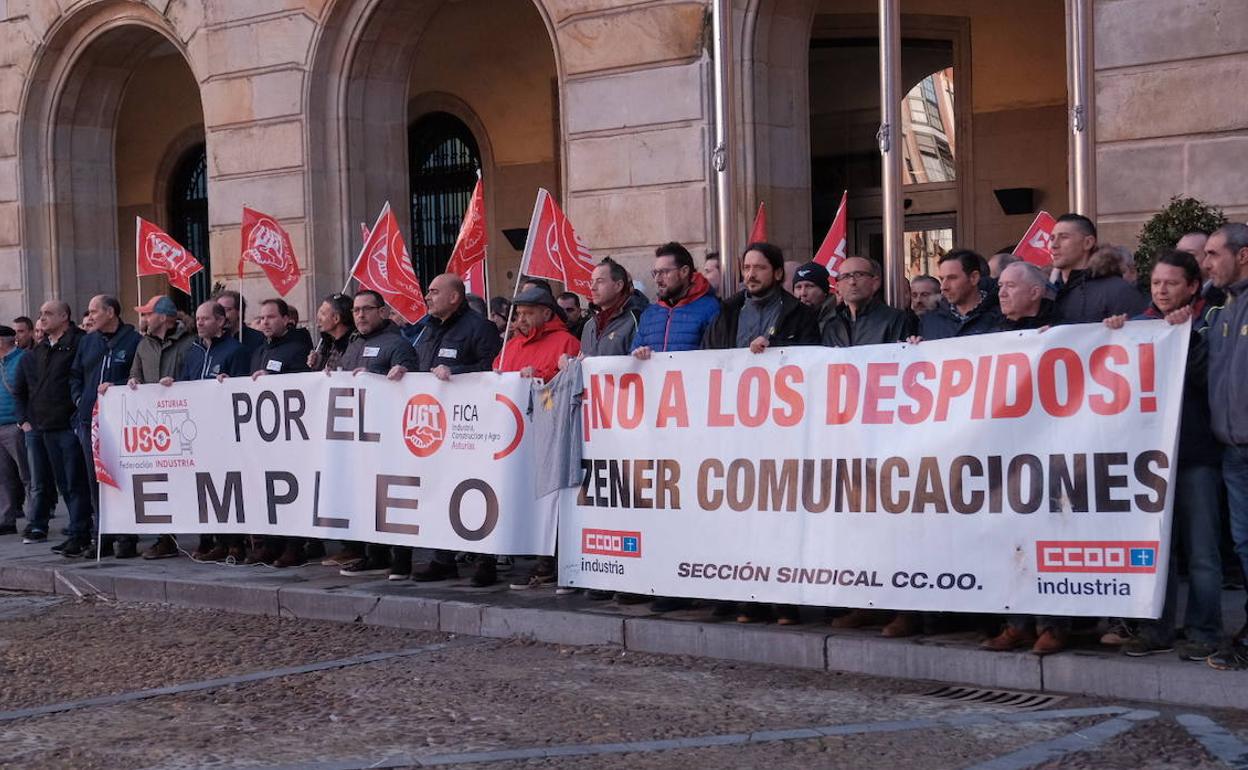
315 593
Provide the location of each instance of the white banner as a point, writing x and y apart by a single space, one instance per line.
1014 473
420 462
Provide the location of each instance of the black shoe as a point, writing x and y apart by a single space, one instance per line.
1233 658
8 529
61 546
485 574
127 549
435 571
669 604
32 536
1195 651
366 567
401 564
74 548
1142 647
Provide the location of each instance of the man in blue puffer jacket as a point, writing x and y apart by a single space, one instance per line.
686 306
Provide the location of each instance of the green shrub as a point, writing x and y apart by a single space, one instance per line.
1180 216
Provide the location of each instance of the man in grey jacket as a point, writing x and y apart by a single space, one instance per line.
609 330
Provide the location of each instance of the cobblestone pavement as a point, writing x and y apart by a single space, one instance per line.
262 692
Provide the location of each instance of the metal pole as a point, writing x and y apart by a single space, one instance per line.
889 137
1083 158
721 156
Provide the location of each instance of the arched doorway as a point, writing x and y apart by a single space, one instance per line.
382 66
443 161
188 218
112 101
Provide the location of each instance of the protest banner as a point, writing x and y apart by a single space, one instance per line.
1021 472
418 462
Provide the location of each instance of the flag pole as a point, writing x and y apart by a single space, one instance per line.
138 279
524 264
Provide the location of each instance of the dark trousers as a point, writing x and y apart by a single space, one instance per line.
88 456
56 461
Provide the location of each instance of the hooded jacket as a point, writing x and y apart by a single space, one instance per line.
225 355
876 324
287 354
160 357
540 349
101 358
378 351
616 337
796 325
465 342
1227 335
42 395
667 328
1087 298
945 322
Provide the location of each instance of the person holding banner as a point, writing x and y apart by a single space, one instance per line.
451 340
105 355
685 310
376 347
45 411
235 310
964 308
1081 296
1022 292
1226 257
813 287
762 314
610 329
862 317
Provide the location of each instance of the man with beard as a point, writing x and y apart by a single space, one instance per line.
685 310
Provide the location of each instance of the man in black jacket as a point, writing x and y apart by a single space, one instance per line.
964 309
106 355
763 314
45 410
1081 296
235 307
861 318
451 340
282 352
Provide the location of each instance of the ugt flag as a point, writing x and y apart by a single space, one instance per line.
553 249
267 244
832 251
385 267
1034 247
468 257
157 253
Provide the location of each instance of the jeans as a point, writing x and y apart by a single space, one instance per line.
1235 472
14 473
1197 530
88 456
56 460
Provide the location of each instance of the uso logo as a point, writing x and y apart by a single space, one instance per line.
1120 556
424 425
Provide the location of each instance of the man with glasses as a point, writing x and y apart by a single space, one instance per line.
376 347
862 318
686 308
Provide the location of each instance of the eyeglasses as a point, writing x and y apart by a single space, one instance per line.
662 271
857 275
358 310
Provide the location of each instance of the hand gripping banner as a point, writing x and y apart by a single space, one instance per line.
1009 473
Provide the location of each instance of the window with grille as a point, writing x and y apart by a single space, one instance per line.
443 163
188 221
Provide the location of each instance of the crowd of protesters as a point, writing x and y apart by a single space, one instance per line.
52 371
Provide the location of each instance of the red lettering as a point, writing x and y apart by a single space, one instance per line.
955 380
842 406
1018 365
877 391
786 377
917 392
632 393
1118 386
602 398
715 416
1072 368
672 406
980 403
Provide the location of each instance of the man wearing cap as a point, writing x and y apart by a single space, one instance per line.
541 337
812 284
45 411
105 355
14 476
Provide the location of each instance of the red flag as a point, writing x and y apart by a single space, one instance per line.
553 249
159 254
832 251
468 258
758 233
1034 246
385 267
267 244
101 473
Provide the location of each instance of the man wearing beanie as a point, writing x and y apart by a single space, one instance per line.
812 284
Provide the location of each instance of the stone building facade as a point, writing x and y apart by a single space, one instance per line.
319 111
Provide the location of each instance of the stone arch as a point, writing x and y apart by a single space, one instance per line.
359 104
68 132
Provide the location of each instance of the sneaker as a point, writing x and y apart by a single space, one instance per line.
400 564
435 571
344 558
165 547
485 574
127 549
33 536
535 580
1195 651
1233 658
60 547
1141 647
365 568
73 548
1119 633
1010 639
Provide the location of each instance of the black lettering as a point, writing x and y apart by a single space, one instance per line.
491 509
142 497
1107 482
242 413
334 412
231 489
1035 484
1154 481
270 485
385 502
1063 485
295 407
317 521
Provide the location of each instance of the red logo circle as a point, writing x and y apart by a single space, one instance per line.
424 425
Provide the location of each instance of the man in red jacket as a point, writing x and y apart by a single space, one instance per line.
541 337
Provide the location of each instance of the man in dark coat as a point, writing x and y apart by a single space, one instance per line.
763 314
1083 297
862 318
